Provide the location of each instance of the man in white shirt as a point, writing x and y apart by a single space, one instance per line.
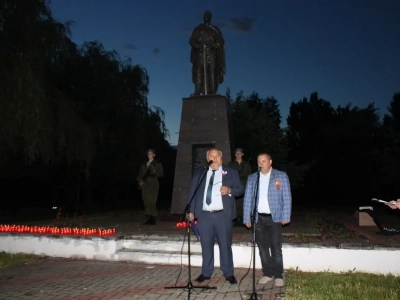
214 207
273 209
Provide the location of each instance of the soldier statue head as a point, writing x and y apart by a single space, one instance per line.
207 17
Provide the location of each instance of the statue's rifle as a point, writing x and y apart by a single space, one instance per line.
205 70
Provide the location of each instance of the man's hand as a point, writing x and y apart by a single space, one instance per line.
190 217
285 222
394 204
248 225
225 190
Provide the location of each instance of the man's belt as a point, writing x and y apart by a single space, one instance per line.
214 211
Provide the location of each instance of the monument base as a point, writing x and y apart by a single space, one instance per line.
205 123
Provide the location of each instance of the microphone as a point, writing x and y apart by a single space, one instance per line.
208 164
259 169
379 200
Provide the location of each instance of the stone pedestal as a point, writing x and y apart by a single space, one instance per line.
205 123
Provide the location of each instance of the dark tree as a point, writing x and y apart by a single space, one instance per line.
75 121
391 150
340 146
257 128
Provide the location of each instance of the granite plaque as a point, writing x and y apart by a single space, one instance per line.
199 152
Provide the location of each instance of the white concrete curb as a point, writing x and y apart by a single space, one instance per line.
304 257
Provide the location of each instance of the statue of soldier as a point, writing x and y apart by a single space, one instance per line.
207 57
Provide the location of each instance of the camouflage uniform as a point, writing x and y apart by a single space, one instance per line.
244 170
150 187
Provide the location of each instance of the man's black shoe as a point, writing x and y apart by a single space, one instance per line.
231 279
201 278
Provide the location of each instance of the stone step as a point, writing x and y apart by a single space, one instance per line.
161 256
160 243
166 250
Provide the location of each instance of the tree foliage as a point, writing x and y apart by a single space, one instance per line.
257 129
82 110
343 154
340 145
37 120
256 124
390 145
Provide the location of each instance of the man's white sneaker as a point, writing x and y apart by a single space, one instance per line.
279 282
265 279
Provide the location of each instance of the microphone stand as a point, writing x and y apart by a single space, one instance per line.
253 224
189 286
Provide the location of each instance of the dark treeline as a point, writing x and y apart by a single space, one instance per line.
74 121
332 155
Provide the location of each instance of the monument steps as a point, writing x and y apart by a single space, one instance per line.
159 256
167 243
173 249
160 250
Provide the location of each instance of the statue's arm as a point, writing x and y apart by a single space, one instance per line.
194 40
219 43
221 38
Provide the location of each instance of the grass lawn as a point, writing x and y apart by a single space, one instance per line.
341 286
8 260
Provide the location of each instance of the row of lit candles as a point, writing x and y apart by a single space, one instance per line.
56 230
184 224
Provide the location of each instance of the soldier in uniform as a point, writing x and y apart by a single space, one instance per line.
147 180
207 57
244 169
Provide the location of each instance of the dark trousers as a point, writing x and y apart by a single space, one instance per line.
269 242
150 196
216 226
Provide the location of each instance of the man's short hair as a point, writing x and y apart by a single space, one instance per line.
150 150
213 148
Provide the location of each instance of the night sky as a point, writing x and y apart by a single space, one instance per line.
346 50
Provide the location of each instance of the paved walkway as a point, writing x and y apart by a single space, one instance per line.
51 278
